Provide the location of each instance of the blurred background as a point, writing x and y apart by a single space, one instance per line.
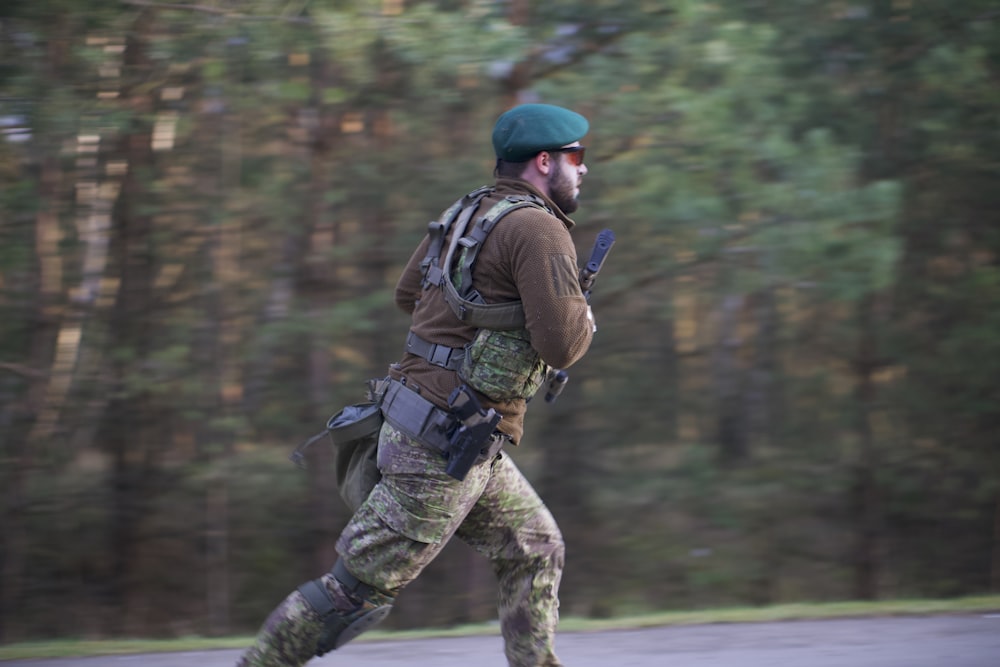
793 394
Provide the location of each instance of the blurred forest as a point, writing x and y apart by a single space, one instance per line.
794 392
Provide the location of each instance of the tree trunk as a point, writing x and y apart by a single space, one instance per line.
24 417
764 398
867 501
564 486
995 562
668 390
127 420
729 384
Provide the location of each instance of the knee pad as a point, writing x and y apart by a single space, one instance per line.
341 627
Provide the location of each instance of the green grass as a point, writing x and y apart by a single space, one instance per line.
72 647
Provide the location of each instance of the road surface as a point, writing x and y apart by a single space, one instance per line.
937 641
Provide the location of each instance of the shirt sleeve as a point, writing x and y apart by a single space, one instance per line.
408 288
544 265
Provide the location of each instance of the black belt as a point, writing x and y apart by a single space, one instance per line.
439 355
415 416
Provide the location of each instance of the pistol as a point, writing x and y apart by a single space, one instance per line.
472 437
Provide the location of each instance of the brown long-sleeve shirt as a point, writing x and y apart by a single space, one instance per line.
529 256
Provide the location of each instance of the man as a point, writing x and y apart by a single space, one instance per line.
516 256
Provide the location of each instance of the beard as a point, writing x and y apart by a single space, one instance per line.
561 189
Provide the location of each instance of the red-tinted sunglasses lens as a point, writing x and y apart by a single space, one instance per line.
574 155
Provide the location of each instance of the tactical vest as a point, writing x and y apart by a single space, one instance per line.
499 362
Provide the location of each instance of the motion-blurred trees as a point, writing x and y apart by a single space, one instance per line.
205 207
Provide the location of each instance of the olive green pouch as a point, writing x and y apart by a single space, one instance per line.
354 432
502 365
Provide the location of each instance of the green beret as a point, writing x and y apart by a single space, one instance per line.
528 129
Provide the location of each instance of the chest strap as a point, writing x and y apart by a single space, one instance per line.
450 358
453 274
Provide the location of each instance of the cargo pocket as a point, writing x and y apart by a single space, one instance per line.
417 507
417 498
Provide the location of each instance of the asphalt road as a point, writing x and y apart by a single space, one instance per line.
938 641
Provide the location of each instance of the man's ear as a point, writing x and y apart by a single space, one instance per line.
543 162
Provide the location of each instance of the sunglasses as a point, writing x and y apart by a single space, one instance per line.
574 154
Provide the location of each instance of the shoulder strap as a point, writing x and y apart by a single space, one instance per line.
461 210
465 302
474 241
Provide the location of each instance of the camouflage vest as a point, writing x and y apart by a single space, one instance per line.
499 362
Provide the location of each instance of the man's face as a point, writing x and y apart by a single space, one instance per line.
564 181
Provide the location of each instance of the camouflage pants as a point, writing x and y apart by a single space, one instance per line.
409 517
